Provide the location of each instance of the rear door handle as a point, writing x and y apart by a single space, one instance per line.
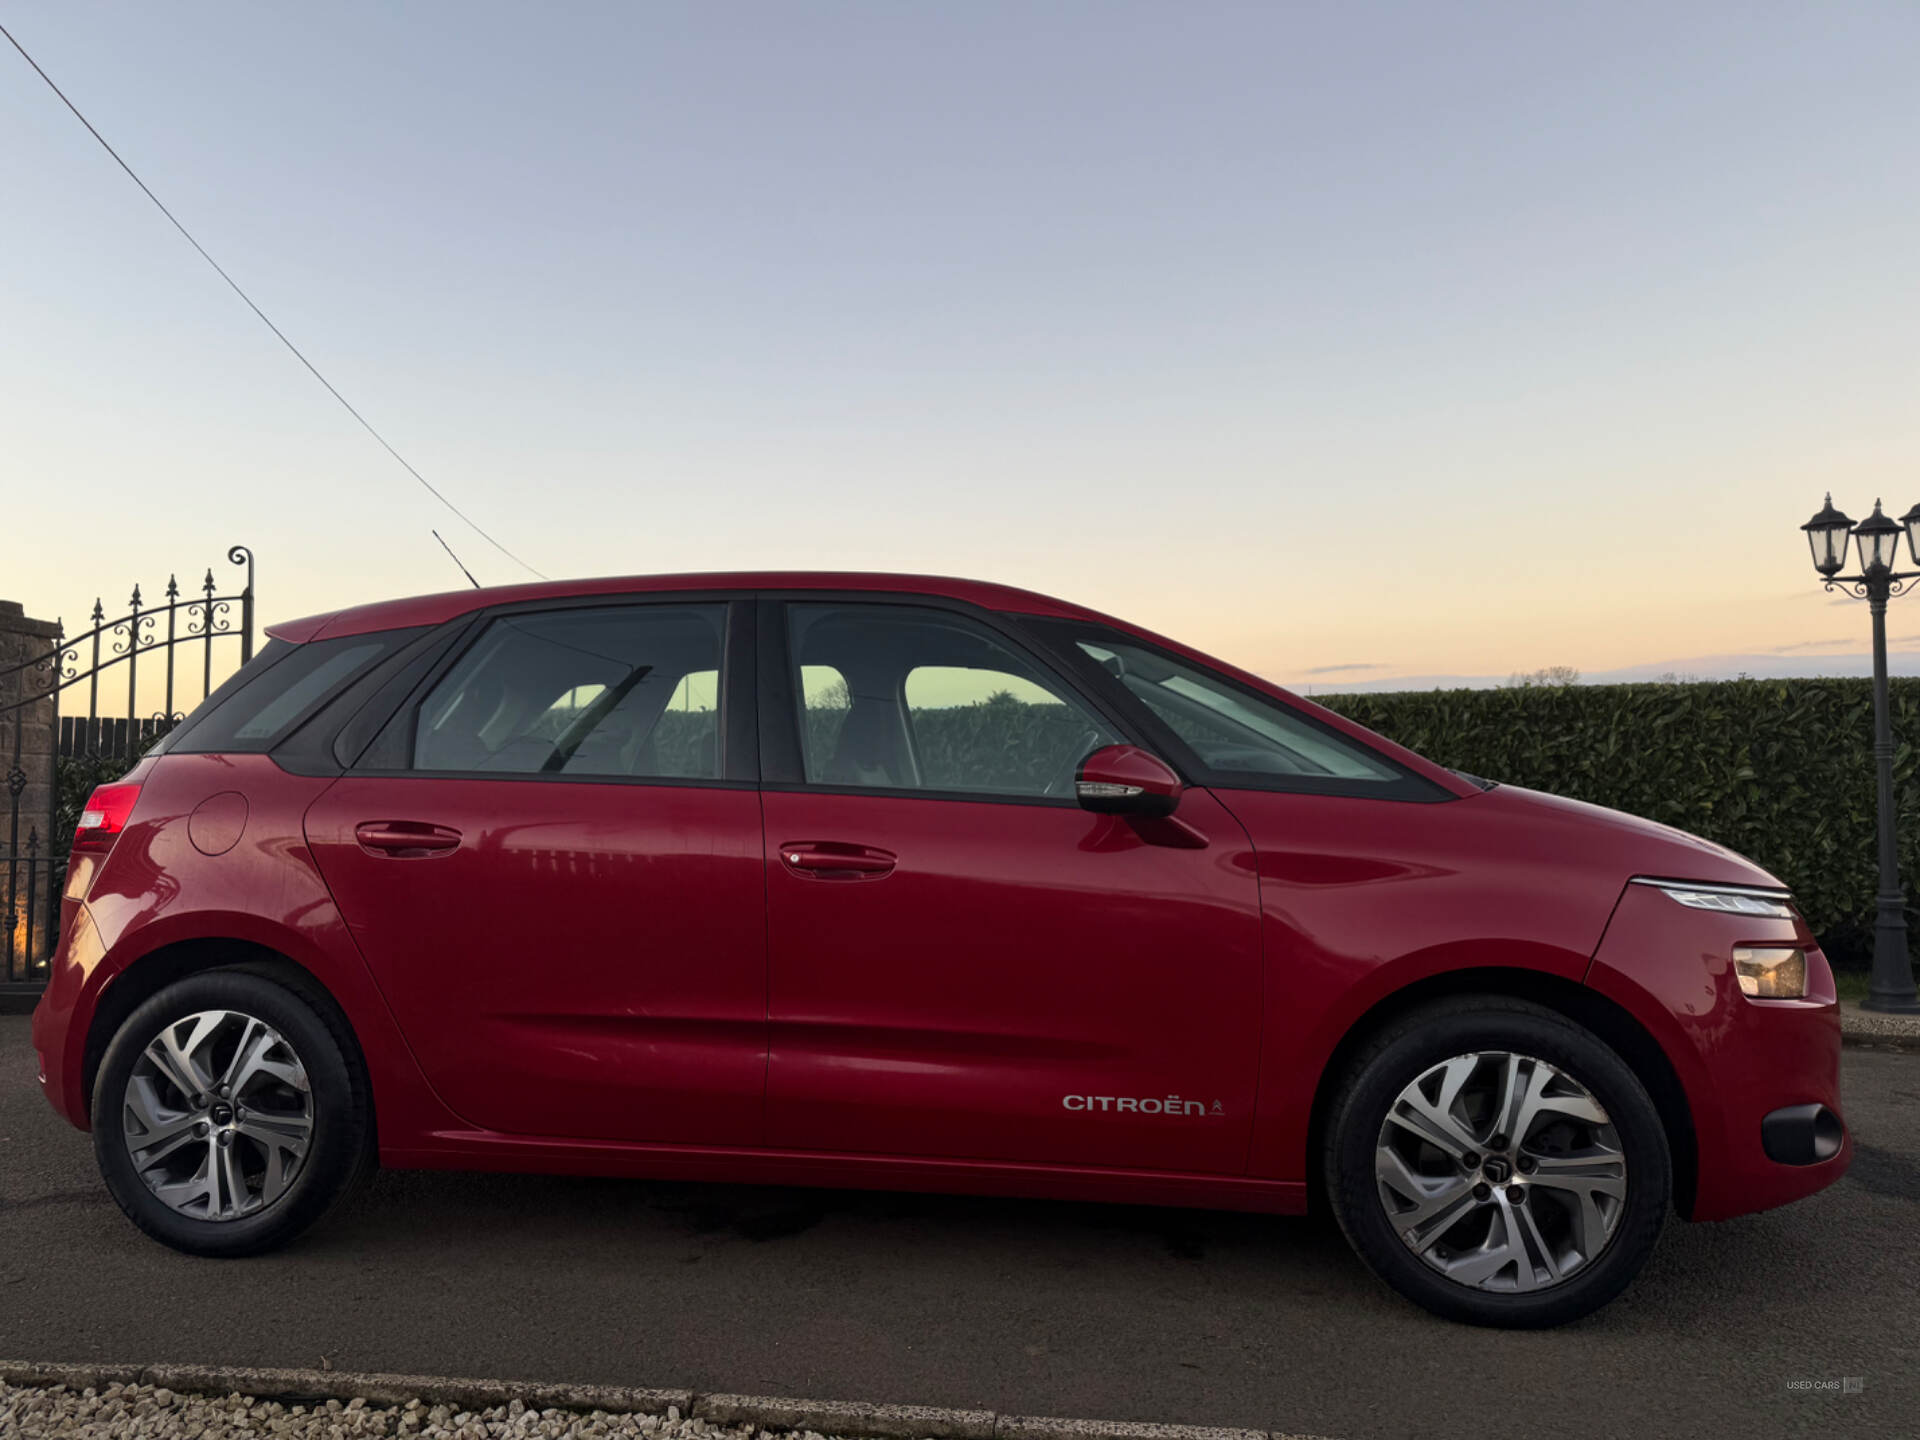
835 860
406 839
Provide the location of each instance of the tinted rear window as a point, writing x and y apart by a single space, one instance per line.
283 685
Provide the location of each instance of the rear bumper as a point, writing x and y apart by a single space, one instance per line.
60 1019
1761 1079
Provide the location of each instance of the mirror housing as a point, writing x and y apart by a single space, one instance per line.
1126 780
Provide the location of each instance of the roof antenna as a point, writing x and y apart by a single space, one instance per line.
456 559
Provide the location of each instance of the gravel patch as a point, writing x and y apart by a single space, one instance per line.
155 1413
87 1402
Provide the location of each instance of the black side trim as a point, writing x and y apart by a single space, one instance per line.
780 760
1801 1135
554 777
739 719
894 792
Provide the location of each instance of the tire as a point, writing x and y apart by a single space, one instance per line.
1578 1199
230 1174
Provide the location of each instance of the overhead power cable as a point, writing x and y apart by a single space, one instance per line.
234 285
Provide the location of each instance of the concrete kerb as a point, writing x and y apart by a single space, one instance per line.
1876 1030
825 1417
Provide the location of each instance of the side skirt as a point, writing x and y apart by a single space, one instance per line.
485 1150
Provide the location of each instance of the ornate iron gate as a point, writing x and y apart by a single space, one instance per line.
96 743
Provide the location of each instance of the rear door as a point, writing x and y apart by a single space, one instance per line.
552 861
965 964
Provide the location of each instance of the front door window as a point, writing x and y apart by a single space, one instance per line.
904 698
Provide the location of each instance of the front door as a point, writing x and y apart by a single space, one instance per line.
558 885
963 962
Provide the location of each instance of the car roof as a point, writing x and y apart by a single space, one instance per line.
446 605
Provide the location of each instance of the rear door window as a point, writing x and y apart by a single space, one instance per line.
825 703
614 692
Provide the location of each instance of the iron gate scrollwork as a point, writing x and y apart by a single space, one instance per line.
95 744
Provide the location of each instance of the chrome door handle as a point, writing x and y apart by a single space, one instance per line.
406 839
834 860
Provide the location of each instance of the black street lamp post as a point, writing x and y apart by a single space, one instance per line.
1878 541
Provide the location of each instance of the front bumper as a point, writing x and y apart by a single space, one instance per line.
1802 1135
1757 1075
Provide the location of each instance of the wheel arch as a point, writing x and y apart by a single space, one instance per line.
152 972
1612 1023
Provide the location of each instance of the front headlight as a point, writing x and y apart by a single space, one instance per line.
1730 902
1770 974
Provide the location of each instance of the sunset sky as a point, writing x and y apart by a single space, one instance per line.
1351 342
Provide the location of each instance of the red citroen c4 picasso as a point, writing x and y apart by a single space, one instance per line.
892 881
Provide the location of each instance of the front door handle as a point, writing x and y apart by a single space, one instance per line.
835 860
406 839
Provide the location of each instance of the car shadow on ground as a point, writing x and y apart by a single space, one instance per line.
399 1201
1696 1273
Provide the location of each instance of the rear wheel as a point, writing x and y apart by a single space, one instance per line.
1497 1163
227 1117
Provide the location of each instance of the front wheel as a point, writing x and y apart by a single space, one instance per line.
227 1117
1498 1164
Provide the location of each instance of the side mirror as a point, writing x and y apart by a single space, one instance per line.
1126 780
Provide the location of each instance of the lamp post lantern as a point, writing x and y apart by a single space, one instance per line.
1877 542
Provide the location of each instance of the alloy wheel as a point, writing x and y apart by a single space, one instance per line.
218 1115
1501 1172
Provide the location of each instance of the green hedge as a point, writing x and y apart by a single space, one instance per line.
1780 770
1001 743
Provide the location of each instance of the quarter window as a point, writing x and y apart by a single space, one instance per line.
261 705
1233 731
900 697
620 692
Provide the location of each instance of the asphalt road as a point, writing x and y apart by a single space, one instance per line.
1023 1307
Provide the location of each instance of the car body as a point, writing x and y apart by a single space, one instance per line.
836 901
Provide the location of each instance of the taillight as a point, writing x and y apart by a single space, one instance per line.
105 817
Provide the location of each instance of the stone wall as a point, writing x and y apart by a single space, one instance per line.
27 745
